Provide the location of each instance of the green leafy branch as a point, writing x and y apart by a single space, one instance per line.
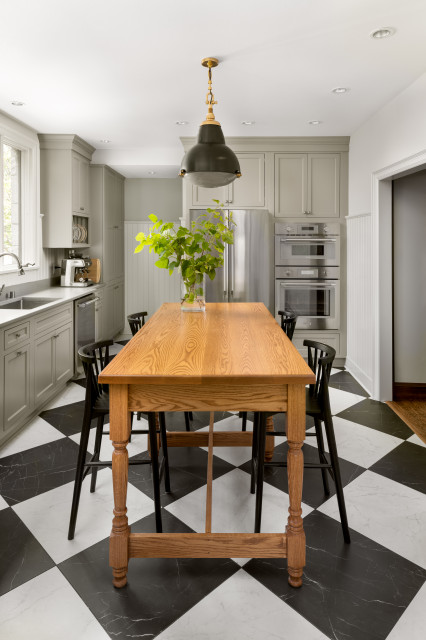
197 251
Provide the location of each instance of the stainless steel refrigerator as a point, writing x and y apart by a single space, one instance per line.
248 271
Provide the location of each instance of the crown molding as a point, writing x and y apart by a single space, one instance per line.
66 141
280 144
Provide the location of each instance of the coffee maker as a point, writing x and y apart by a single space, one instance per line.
73 272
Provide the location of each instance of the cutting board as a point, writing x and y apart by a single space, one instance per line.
94 271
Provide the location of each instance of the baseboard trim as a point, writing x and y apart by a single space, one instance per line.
409 391
360 376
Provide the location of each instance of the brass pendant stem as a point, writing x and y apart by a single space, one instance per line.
210 101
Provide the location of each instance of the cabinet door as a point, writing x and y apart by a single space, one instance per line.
323 185
119 252
17 395
108 315
118 294
75 183
203 197
64 364
248 192
84 205
291 184
44 367
99 324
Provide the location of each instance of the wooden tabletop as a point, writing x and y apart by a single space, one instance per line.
228 343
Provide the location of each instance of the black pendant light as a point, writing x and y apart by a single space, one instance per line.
210 163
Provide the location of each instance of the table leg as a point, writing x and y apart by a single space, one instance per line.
270 441
119 434
296 543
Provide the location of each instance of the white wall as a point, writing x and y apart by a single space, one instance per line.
161 196
409 255
393 134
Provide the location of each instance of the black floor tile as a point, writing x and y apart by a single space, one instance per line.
405 464
188 472
313 490
354 591
67 419
34 471
21 556
344 381
377 415
159 591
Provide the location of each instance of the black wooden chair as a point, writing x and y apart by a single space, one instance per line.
288 322
320 360
288 325
95 357
136 322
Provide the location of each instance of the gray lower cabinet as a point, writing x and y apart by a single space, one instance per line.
36 357
113 309
17 386
52 361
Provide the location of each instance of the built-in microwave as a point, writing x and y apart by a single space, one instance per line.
307 244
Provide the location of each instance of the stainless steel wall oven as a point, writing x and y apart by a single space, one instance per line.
307 273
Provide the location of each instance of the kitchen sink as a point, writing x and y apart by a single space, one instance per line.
26 303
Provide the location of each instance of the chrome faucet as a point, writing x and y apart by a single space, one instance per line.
20 265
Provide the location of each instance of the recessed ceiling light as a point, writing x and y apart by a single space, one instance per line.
248 122
17 103
151 173
181 122
105 141
383 32
340 90
314 122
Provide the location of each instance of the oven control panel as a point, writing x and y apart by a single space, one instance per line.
308 229
307 273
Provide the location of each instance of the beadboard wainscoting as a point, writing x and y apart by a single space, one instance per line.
146 286
359 360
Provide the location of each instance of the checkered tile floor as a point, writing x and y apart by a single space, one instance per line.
373 588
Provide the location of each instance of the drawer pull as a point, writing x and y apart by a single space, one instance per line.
57 335
17 335
18 353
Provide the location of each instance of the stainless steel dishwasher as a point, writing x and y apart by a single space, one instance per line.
84 327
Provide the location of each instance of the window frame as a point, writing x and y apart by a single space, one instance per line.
20 137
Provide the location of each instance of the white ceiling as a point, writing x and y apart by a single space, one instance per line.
127 70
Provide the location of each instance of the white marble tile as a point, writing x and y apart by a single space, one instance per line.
385 511
3 504
234 506
72 393
412 623
333 371
341 400
416 440
358 444
241 609
47 515
138 444
34 434
47 608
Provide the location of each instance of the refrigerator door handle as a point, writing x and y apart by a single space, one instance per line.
225 272
232 267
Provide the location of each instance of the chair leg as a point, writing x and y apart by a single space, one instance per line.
260 470
243 415
320 444
98 442
138 415
187 419
155 470
163 436
254 449
84 439
191 417
329 431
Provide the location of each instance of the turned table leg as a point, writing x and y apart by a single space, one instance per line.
270 441
296 543
119 434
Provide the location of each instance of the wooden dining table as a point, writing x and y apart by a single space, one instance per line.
231 357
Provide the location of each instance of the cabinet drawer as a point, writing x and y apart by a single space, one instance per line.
331 339
53 318
16 335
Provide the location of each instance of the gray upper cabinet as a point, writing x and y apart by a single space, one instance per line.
245 192
307 184
64 189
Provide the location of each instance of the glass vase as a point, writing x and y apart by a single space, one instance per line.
192 301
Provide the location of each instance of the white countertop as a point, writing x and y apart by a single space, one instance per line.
59 295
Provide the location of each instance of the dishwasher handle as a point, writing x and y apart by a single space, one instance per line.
83 305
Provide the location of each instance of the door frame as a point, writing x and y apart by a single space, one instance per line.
382 263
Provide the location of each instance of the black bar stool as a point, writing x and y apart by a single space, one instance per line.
95 357
136 322
320 360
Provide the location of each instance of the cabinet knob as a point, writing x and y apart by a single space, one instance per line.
81 208
18 353
17 335
57 335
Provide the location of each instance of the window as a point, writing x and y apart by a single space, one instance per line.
19 206
11 220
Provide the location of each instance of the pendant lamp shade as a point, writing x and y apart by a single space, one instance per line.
210 163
